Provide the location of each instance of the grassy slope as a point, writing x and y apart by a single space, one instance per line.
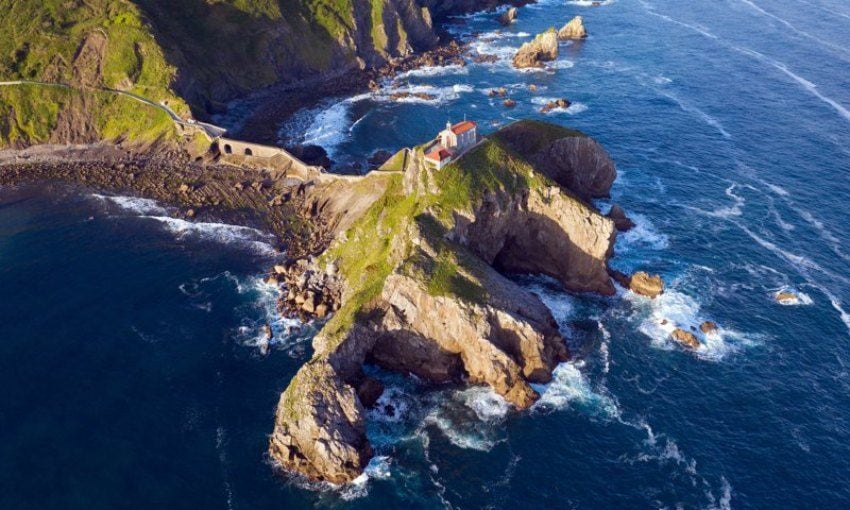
379 242
39 42
246 43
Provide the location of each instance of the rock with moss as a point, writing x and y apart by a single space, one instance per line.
423 293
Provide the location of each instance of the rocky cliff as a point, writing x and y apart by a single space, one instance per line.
194 55
424 292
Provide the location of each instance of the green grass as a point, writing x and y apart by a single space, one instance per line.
380 242
28 113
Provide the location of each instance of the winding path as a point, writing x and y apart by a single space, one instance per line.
212 131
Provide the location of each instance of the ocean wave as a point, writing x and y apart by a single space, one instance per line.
570 388
470 418
437 95
136 205
689 108
287 333
377 469
223 233
659 317
432 71
590 3
796 30
643 236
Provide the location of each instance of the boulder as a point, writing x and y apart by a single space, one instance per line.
708 327
640 283
543 48
646 284
574 29
509 103
786 297
508 17
685 338
621 221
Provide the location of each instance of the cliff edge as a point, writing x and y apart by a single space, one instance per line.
420 286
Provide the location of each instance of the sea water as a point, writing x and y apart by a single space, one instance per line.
129 364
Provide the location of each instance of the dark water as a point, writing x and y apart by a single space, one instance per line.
127 361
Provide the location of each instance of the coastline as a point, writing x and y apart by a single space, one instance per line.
200 190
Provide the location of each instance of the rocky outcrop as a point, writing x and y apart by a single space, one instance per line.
573 29
573 160
641 283
534 53
621 221
508 17
554 105
579 164
423 292
685 338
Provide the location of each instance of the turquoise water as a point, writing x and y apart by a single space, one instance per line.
128 360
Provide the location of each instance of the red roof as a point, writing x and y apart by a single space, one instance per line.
463 127
440 154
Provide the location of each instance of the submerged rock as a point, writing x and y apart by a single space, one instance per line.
574 29
558 103
543 48
509 103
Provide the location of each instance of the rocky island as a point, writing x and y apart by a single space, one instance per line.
418 278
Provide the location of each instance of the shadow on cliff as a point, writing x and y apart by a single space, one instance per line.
223 52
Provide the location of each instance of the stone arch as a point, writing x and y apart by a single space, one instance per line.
248 151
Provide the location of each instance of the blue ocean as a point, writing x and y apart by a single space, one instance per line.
129 366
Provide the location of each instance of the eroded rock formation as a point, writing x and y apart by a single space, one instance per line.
423 291
573 29
534 53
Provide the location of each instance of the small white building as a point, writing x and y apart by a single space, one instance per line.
452 141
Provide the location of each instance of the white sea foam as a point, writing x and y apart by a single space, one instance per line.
643 236
806 84
673 309
570 388
686 106
377 469
134 205
801 298
438 95
431 71
793 28
218 232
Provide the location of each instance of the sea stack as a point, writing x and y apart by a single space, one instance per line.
543 48
574 29
508 17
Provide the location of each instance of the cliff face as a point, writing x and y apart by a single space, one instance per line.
192 54
423 293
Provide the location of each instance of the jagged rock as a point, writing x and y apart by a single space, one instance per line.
319 426
685 338
508 17
708 327
621 221
369 391
430 301
532 88
640 283
576 162
509 103
646 285
543 48
499 92
574 29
